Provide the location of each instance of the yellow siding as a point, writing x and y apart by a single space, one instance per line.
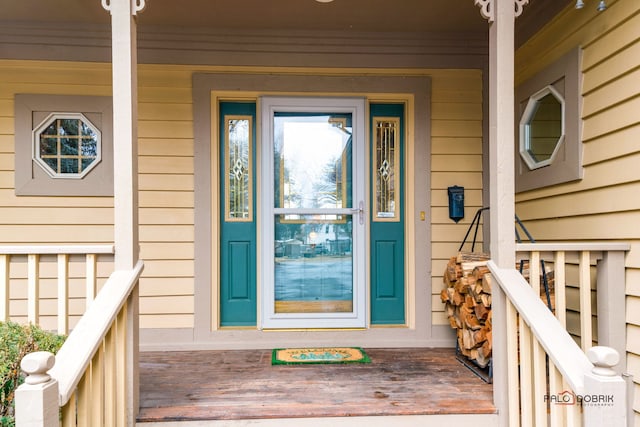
456 159
166 189
605 204
166 197
166 180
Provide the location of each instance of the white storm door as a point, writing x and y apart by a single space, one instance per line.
312 198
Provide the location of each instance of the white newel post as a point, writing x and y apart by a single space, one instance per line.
604 400
611 302
37 398
125 154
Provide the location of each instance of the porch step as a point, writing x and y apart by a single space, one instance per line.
469 420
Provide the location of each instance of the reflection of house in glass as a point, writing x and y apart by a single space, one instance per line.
332 239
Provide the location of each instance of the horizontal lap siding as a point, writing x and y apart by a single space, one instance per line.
166 176
165 181
165 132
605 203
456 159
32 220
49 220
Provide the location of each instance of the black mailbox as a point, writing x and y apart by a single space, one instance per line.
456 202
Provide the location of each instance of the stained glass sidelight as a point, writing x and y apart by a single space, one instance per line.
238 168
385 168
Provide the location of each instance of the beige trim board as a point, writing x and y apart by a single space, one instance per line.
211 46
243 339
413 91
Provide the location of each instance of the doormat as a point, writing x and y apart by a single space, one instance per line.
308 356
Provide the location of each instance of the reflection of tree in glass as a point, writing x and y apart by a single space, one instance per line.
328 192
238 167
68 126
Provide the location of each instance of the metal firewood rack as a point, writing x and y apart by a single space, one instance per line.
486 373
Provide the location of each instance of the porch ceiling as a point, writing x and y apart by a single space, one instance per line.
340 15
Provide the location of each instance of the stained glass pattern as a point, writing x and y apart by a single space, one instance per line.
385 168
238 148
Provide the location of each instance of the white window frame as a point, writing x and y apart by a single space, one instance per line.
525 128
45 124
358 317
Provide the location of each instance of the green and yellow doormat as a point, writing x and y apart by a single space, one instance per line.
308 356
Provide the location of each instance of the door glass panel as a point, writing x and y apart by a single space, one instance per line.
314 264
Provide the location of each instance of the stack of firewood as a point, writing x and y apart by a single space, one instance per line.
467 299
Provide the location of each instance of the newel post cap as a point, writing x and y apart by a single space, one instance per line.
36 365
604 358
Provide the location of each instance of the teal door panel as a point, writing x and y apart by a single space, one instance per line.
237 214
387 214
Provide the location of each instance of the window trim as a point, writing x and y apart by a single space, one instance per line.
528 115
565 76
30 178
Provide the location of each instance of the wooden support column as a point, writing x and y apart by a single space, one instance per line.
501 134
501 14
125 130
125 153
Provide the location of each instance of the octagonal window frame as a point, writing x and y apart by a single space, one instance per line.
527 116
44 124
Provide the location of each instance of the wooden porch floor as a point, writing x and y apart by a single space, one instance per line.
231 385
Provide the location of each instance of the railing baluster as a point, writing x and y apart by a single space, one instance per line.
534 271
33 288
97 389
539 384
69 412
91 276
121 363
4 288
512 361
84 401
63 294
526 398
560 287
110 370
555 386
586 336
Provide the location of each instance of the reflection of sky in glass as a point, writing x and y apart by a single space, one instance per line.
309 146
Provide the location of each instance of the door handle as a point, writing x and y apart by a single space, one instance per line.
360 211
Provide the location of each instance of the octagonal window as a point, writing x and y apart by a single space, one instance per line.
542 128
66 145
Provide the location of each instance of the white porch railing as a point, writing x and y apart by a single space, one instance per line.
582 273
93 378
40 266
548 373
